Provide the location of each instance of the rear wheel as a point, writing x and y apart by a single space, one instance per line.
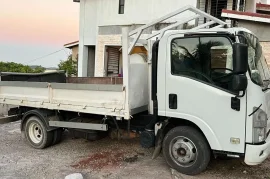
36 134
186 150
57 136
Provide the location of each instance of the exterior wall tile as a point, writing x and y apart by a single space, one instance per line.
113 40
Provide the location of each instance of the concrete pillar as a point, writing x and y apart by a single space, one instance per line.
198 7
91 61
251 6
83 50
83 60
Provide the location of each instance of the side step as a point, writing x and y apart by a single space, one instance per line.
78 125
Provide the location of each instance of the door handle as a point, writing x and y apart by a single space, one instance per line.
235 103
172 101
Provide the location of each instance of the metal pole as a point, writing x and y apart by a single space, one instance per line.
206 9
238 5
125 56
128 129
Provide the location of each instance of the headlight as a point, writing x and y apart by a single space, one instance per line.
259 126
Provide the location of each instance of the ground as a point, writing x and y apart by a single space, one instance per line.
101 159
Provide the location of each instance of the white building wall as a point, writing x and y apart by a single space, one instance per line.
264 1
230 4
90 22
96 13
251 5
137 11
83 53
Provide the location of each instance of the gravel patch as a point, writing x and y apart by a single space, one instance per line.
102 159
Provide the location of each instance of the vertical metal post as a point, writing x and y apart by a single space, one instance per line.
150 106
128 129
198 7
238 5
126 65
216 8
206 9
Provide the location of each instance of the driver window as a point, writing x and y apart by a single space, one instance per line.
206 59
221 53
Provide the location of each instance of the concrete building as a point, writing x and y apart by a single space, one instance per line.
256 20
100 29
101 22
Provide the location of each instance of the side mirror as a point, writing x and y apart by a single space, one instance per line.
240 58
239 83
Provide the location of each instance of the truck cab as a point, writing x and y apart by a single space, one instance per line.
213 86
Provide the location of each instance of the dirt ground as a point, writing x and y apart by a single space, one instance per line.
101 159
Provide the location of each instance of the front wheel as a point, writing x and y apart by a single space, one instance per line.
186 150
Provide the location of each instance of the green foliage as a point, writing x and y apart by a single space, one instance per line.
70 66
19 68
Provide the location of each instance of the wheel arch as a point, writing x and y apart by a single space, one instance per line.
198 124
43 115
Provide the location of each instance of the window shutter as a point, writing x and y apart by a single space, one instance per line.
113 61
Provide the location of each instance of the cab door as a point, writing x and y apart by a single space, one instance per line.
199 89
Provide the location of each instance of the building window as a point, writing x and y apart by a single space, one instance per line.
113 60
217 6
242 5
121 7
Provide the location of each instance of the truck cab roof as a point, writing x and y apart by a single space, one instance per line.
233 30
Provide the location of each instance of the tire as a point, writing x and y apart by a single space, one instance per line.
57 136
186 150
36 134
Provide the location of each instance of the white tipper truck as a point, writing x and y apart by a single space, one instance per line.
199 92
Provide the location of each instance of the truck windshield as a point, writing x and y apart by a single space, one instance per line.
259 69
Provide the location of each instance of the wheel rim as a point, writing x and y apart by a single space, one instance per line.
183 151
35 132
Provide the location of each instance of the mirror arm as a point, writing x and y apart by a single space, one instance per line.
241 35
240 95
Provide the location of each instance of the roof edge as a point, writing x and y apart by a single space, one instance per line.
249 16
71 44
260 5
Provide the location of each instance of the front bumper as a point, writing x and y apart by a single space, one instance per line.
256 154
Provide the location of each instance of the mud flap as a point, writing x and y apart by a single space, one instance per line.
159 140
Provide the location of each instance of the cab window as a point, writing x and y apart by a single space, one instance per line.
206 59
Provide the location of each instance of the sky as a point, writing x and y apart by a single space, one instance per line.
30 29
